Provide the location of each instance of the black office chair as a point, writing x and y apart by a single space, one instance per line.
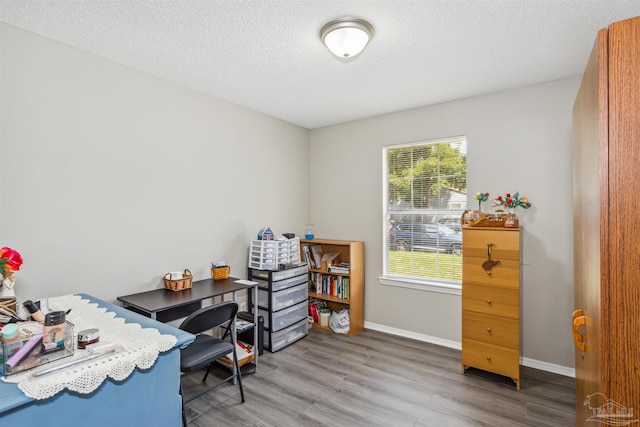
206 349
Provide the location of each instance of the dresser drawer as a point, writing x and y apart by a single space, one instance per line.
506 243
504 274
490 300
493 358
501 331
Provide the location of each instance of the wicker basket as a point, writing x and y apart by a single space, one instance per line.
178 284
8 303
219 273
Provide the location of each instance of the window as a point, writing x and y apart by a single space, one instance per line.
425 193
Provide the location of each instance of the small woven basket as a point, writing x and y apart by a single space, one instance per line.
220 272
8 303
178 284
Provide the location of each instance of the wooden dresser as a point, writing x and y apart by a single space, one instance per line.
491 300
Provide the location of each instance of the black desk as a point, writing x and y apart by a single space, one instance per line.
166 305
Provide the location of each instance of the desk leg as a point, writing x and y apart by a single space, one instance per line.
234 340
255 327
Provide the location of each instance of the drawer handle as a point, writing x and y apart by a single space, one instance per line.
489 301
489 263
578 319
488 330
489 358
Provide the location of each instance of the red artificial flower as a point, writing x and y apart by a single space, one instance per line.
11 259
499 197
510 201
508 195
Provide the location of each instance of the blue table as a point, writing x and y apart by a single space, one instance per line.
146 398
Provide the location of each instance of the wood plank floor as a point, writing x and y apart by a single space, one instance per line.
376 379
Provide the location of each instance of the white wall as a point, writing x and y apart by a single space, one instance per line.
111 177
517 140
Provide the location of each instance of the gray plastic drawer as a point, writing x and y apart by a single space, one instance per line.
284 298
283 284
286 336
291 272
283 318
277 275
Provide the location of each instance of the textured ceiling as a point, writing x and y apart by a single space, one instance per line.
267 55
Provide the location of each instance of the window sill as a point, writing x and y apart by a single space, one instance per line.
422 285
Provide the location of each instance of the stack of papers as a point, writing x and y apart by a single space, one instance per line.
242 324
242 350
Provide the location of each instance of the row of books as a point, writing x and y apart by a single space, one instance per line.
329 284
313 256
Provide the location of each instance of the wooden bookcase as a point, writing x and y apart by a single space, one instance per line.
352 253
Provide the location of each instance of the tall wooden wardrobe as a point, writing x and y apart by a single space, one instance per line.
606 204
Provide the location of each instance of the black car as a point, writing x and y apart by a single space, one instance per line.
405 236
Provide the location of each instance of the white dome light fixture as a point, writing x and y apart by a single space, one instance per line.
347 37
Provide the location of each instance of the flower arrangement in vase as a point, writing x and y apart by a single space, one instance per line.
511 202
481 197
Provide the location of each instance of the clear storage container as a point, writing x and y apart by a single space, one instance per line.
283 318
274 341
284 298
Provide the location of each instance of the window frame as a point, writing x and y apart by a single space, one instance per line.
411 282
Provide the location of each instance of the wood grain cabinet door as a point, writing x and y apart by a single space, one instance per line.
606 164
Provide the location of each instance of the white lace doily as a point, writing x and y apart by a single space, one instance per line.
141 348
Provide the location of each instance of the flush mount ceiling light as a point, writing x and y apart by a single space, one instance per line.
346 37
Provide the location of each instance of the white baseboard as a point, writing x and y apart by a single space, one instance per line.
549 367
413 335
531 363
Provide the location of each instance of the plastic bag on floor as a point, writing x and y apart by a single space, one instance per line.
339 321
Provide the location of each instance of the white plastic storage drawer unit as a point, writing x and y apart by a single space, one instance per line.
277 320
274 341
263 254
283 298
270 254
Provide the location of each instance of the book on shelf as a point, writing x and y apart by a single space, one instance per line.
306 254
316 255
342 268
